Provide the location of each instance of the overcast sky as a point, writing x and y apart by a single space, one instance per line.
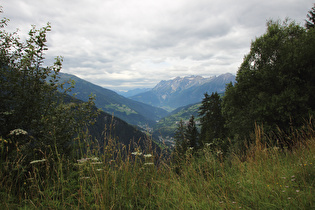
125 44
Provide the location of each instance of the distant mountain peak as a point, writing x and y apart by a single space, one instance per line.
182 91
179 83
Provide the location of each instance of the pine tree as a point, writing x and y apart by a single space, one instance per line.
192 134
181 143
211 118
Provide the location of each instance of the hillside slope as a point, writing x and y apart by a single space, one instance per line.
131 111
168 125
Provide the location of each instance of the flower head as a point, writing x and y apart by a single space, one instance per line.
18 132
136 153
147 155
148 163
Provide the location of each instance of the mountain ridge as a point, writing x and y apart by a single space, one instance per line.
181 91
133 112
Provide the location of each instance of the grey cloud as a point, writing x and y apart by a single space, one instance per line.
137 43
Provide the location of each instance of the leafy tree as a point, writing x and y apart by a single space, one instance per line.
36 120
211 119
192 134
275 83
311 18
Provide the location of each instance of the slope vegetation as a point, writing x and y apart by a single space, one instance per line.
131 111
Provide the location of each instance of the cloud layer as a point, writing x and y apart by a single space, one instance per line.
122 44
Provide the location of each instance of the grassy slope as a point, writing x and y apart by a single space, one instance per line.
265 178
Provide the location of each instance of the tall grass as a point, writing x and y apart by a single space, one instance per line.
268 177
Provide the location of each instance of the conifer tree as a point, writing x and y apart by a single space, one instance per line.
192 134
181 143
211 119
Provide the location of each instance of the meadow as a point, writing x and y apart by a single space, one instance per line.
265 177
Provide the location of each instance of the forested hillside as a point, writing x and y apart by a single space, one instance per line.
133 112
167 125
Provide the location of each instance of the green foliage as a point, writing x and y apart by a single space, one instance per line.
186 140
211 120
181 142
192 134
275 83
35 119
167 126
265 178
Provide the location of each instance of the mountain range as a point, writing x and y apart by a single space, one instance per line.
173 94
133 112
182 91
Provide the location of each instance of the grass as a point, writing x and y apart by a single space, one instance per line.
121 108
265 178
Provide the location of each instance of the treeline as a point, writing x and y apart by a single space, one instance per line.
274 90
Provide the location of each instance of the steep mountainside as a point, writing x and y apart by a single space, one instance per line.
168 125
131 111
106 126
179 92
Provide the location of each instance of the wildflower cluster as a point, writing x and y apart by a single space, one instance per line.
17 132
86 164
147 157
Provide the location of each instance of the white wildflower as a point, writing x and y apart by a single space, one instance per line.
82 160
148 163
136 153
87 177
208 144
219 152
18 131
147 155
94 159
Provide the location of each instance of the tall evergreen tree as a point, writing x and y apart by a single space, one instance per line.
192 134
181 142
211 119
